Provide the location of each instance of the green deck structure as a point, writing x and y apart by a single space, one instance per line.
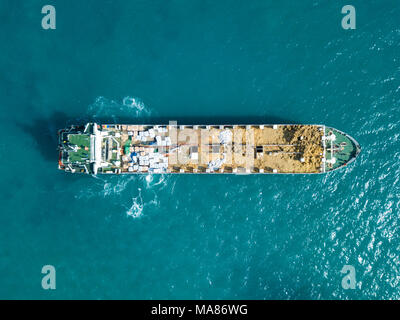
82 141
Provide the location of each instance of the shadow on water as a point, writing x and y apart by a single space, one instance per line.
44 130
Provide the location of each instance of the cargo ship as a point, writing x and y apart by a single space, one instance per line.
219 149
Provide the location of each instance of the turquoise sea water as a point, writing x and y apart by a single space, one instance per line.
192 237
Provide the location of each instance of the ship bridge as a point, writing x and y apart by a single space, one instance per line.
86 149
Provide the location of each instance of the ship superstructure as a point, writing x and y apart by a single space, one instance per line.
235 149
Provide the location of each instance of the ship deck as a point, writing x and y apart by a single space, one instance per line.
253 149
226 149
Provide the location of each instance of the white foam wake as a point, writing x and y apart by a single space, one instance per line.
104 108
136 210
123 187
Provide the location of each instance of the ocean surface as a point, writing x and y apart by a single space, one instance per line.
199 237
